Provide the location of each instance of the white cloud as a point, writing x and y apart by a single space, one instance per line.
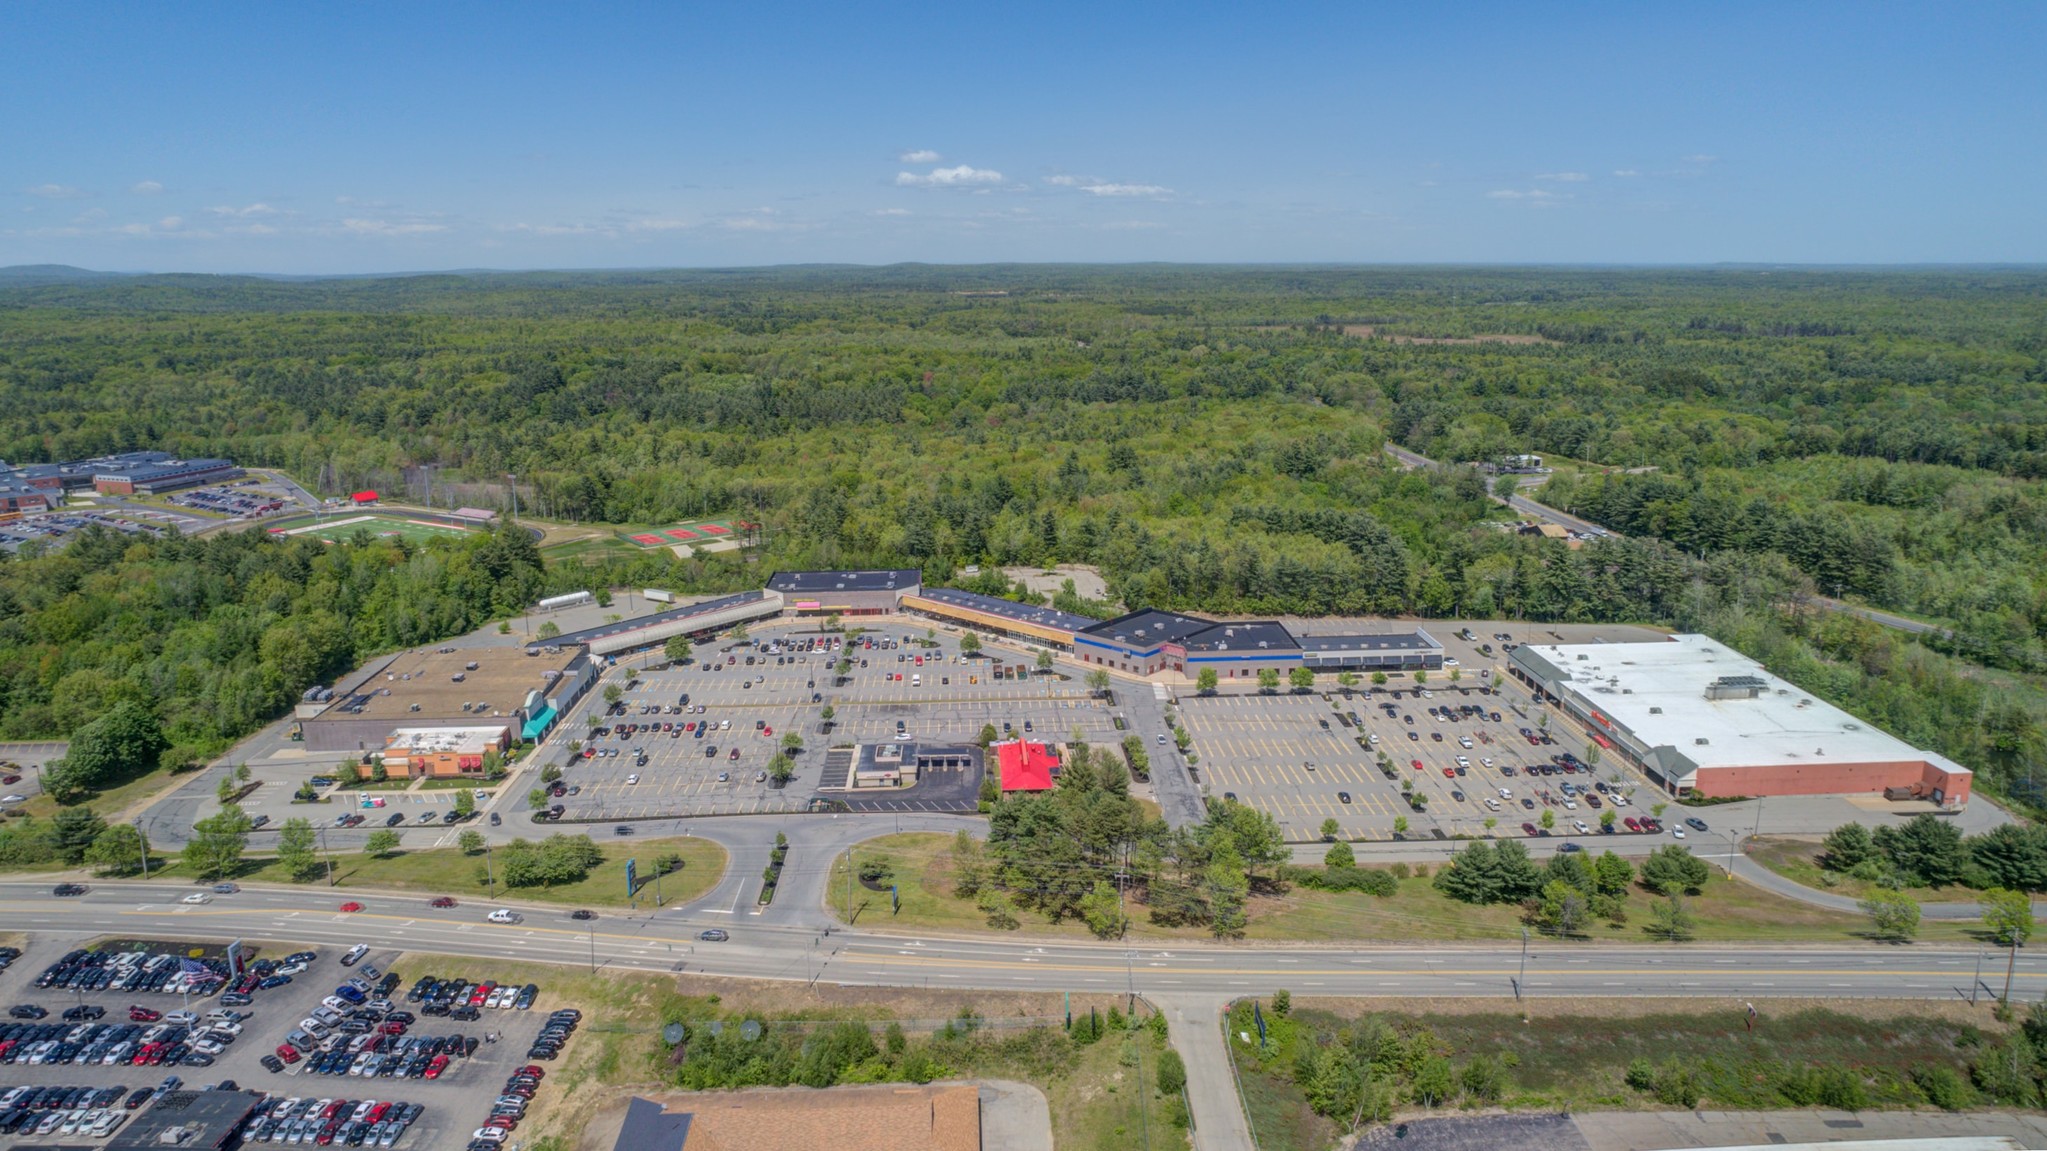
1565 177
57 192
657 224
362 227
762 220
1132 225
171 223
1067 181
961 176
250 212
1700 158
1151 190
1512 194
920 156
891 211
90 215
145 188
1625 173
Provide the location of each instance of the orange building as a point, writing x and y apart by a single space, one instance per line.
442 752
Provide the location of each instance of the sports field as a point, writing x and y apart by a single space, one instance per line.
690 532
382 524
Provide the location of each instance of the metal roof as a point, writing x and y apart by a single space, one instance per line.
818 582
1009 609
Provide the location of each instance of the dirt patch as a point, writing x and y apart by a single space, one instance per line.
1087 582
1367 332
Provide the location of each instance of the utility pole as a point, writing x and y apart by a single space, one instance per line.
490 875
1522 980
144 837
328 854
593 947
1979 978
2009 965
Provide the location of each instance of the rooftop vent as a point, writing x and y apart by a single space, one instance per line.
1735 687
1655 711
1701 741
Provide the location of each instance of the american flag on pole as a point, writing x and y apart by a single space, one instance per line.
193 967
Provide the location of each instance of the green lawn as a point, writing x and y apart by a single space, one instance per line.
1104 1098
1798 860
447 871
1727 910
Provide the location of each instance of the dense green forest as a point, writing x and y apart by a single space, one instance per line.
1208 437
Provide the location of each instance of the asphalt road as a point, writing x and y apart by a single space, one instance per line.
764 948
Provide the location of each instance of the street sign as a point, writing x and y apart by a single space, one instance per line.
632 877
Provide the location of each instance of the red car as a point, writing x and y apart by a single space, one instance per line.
288 1053
391 1028
143 1015
1529 829
481 993
435 1066
768 731
589 753
351 905
532 1070
443 901
1630 824
1449 773
1417 764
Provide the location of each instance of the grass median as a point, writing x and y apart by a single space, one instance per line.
919 867
451 871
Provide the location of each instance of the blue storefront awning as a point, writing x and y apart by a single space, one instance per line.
538 725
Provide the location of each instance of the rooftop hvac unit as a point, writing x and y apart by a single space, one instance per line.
1655 711
1701 741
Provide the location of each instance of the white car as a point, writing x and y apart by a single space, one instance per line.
198 897
1580 825
1618 799
1506 793
1486 762
504 915
13 799
632 779
1677 831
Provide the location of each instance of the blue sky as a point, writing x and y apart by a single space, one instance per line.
369 137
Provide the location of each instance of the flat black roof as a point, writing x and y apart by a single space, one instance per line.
623 626
1010 609
215 1116
1393 641
1257 635
802 583
1150 626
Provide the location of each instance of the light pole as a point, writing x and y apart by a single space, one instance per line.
328 854
490 875
142 837
593 947
1978 981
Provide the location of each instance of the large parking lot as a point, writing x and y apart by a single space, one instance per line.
946 698
453 1102
1259 748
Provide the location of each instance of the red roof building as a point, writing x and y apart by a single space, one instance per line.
1025 765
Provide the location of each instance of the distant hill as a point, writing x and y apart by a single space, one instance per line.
15 274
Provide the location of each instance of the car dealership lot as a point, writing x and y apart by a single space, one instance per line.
454 1102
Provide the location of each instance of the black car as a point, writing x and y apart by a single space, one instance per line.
272 1064
582 913
70 889
397 817
26 1011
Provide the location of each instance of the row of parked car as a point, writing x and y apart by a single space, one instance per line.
508 1109
332 1122
86 1112
183 1040
461 999
169 974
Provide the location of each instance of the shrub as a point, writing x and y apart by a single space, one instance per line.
1943 1087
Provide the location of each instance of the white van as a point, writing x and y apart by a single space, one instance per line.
916 680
